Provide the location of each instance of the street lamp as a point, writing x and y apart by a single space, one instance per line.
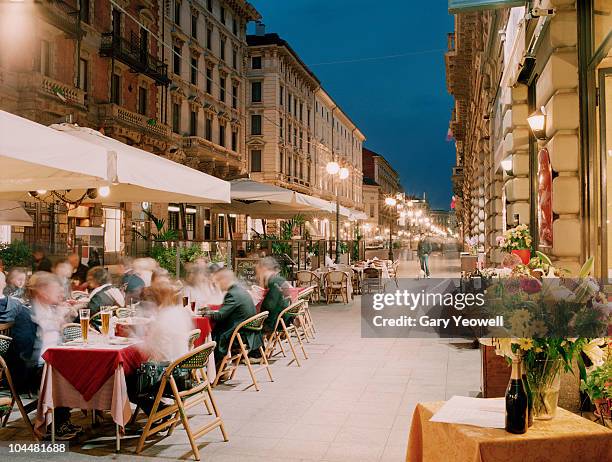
391 202
537 123
333 168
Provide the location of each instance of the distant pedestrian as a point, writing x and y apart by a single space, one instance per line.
423 251
41 262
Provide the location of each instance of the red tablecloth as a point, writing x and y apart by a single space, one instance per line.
88 368
202 323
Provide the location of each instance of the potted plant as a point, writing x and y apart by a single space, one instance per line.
16 254
598 385
518 242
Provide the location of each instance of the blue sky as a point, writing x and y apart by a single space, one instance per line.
401 103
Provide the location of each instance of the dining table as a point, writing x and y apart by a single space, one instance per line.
88 376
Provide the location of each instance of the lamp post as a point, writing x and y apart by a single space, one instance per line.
333 168
391 202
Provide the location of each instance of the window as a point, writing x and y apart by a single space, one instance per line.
308 117
222 89
84 11
281 95
256 92
308 144
83 74
209 5
256 160
235 96
281 161
221 226
301 111
234 140
280 127
222 48
193 123
176 117
190 215
176 65
235 26
209 38
194 71
173 217
289 101
142 100
177 12
116 89
208 128
234 59
255 124
301 170
112 229
194 26
45 58
116 23
295 137
222 135
223 15
295 107
209 80
256 62
301 139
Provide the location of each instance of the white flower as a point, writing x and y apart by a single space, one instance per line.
594 351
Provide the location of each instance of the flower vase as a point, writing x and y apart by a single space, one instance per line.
523 254
544 378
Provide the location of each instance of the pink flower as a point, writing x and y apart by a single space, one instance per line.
530 285
500 240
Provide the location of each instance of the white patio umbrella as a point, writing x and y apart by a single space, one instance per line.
140 176
35 157
262 200
12 213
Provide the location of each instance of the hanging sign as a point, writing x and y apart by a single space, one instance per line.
463 6
545 214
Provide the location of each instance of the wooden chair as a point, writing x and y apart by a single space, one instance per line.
7 403
336 284
72 331
371 280
123 313
308 321
305 278
236 353
183 400
283 331
5 328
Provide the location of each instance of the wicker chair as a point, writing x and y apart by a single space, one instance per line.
309 326
72 331
7 403
371 280
283 331
336 284
123 313
184 400
305 278
231 361
5 328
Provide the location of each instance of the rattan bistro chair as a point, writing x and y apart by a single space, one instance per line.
8 402
237 350
304 278
6 327
371 280
307 316
283 332
336 284
72 331
183 400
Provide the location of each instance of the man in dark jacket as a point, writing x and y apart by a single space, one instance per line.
423 250
41 262
237 307
79 270
276 299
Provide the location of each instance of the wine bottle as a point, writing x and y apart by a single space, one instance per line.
516 401
529 395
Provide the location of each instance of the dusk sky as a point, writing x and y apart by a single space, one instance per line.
400 103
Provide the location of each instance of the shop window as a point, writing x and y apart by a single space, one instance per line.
112 229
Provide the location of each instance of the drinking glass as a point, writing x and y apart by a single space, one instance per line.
84 318
105 315
193 306
185 301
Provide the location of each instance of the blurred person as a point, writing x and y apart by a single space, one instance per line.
9 306
200 288
423 250
40 260
132 282
35 330
15 283
237 307
63 270
277 298
94 258
167 337
103 293
79 270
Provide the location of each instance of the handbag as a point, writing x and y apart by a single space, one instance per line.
149 376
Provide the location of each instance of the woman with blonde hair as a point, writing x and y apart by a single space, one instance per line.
200 288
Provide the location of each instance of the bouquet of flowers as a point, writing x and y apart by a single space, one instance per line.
472 244
515 239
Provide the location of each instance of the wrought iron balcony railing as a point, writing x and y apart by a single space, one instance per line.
136 55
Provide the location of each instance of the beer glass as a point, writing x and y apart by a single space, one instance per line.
105 315
84 318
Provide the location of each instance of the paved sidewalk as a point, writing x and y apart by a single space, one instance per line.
351 401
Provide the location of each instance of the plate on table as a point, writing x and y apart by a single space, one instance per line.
76 341
120 341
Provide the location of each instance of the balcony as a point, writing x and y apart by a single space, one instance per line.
64 92
113 113
134 54
62 15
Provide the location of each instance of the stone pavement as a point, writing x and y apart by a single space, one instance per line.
351 401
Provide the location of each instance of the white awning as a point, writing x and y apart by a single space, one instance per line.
12 213
140 176
35 157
